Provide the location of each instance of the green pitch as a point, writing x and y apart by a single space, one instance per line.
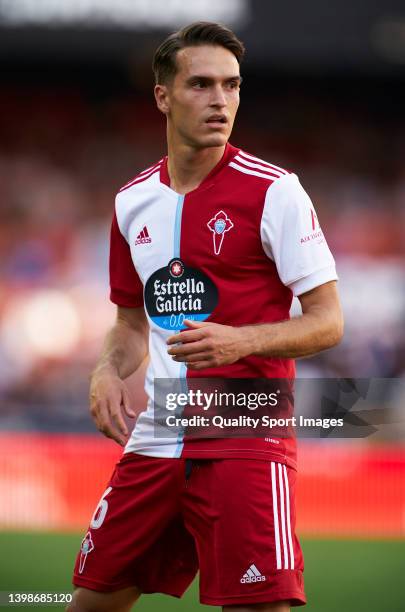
349 575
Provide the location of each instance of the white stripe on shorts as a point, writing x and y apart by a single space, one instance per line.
290 544
275 514
281 500
282 514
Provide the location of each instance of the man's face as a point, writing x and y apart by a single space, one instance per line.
203 97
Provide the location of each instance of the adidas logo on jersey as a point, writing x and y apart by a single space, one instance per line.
252 575
143 237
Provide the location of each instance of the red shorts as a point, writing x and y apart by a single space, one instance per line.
160 520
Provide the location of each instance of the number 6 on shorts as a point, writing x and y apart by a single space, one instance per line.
100 511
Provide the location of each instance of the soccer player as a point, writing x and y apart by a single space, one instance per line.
208 247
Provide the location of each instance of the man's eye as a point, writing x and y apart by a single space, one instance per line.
199 84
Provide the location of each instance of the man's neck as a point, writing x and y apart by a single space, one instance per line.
188 167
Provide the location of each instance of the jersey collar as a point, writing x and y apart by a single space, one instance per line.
229 152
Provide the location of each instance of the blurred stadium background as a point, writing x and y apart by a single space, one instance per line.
323 94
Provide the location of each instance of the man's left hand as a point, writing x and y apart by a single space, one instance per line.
209 345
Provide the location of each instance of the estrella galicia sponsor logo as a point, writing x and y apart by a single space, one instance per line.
177 292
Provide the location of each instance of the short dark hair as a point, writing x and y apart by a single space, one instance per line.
199 33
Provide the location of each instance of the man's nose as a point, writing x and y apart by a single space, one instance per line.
218 96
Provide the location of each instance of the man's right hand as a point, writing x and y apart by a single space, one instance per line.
109 397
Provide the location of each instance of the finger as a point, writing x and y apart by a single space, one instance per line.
112 433
98 411
126 402
196 324
192 358
105 426
189 348
186 336
109 433
200 365
117 418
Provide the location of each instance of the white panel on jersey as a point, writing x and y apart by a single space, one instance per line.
147 235
292 237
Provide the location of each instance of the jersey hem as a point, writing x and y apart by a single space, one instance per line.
224 454
240 454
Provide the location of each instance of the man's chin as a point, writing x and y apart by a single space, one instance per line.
213 140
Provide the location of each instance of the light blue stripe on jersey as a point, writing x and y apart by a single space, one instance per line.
183 368
176 253
177 226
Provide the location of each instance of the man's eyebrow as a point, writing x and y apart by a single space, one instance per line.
207 79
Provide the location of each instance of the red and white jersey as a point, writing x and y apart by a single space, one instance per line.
232 251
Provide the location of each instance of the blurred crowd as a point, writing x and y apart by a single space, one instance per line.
63 156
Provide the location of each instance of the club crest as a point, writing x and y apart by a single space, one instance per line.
219 225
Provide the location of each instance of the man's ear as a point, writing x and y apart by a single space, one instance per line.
162 98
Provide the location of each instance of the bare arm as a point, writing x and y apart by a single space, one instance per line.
208 345
124 349
320 327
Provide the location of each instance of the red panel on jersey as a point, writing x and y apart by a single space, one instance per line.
126 287
235 261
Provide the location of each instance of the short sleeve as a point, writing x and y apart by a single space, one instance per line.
292 237
125 284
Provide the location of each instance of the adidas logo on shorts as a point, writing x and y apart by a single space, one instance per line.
252 575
